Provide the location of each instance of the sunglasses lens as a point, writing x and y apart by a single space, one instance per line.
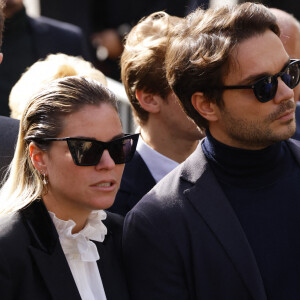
122 151
85 153
265 89
291 76
88 153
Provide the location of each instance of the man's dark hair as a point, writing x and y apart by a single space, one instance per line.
200 53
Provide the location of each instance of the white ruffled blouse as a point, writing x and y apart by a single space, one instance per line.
82 254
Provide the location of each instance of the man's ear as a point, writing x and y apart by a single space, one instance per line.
204 107
149 102
38 158
1 57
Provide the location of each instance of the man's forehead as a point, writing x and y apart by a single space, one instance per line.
258 55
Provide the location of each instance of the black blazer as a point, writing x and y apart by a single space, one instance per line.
184 241
9 129
33 265
136 182
52 36
46 36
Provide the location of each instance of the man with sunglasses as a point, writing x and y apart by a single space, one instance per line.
224 224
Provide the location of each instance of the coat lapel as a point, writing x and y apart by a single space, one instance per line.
215 209
137 179
294 145
110 263
47 253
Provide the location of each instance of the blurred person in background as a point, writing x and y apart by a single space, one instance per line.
289 6
27 39
8 127
107 22
290 37
45 70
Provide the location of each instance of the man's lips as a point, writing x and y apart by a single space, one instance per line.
290 114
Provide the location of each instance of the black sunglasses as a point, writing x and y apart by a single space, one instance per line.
265 89
88 152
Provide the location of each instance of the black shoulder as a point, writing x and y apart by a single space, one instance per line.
13 232
55 24
114 223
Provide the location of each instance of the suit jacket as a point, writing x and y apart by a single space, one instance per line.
9 129
184 241
52 36
136 182
33 265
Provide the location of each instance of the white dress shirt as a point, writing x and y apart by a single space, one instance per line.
158 164
82 254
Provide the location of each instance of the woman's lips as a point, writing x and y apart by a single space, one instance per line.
105 185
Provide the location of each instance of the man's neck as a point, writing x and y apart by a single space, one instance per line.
169 145
235 143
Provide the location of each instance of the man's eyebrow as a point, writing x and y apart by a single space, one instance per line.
254 77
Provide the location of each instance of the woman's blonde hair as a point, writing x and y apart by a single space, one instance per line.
44 117
42 72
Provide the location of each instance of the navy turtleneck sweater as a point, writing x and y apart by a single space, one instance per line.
263 188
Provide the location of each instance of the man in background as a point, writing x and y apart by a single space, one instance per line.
8 127
168 137
26 39
290 37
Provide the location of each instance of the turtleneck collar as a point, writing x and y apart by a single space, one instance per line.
235 165
16 24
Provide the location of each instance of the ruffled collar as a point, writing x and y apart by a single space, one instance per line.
79 245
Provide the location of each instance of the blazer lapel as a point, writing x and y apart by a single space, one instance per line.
56 273
47 253
294 145
110 264
215 209
137 179
136 182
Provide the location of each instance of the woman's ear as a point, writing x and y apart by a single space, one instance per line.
38 158
148 101
204 107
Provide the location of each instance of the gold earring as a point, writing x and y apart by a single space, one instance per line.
45 179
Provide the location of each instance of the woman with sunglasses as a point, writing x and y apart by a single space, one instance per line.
56 239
